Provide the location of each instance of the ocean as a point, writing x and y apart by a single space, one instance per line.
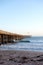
35 44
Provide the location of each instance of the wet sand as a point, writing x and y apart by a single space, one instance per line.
21 58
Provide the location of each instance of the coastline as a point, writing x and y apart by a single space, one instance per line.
13 57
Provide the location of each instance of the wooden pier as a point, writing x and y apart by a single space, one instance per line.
7 37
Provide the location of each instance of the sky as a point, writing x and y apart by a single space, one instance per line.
22 16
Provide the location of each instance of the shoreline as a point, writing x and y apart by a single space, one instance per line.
13 57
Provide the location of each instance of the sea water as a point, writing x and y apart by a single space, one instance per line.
35 44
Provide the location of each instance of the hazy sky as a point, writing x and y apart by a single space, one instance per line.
22 16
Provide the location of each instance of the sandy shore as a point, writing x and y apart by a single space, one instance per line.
21 58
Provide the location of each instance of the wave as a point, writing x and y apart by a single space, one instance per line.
25 41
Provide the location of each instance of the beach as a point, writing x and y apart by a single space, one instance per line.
20 57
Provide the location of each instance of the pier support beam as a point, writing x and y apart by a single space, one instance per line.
2 39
